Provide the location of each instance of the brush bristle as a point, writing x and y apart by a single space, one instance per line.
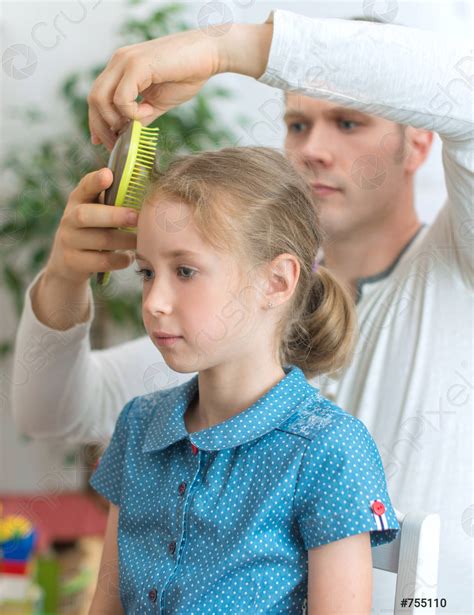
146 151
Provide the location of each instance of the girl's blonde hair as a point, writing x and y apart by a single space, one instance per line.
250 200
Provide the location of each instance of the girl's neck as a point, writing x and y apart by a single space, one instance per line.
227 390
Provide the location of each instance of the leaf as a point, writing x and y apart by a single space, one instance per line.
5 348
13 283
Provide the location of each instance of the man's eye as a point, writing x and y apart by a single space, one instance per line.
345 122
143 274
186 273
296 127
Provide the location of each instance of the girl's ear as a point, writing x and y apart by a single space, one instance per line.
282 276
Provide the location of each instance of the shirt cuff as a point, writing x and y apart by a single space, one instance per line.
284 24
298 56
30 320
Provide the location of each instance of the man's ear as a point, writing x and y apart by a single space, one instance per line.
418 143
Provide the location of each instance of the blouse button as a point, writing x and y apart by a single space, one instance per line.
182 488
172 547
152 595
378 508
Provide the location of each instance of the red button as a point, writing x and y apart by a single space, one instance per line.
378 508
152 595
194 449
182 488
172 547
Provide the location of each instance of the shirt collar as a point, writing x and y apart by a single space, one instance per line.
386 272
269 411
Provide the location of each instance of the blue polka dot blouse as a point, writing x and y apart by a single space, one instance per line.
220 520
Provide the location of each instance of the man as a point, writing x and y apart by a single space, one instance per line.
409 381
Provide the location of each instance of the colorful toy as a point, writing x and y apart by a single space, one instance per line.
17 542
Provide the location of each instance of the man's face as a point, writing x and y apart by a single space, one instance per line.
360 156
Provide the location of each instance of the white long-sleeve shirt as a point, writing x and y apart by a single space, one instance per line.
411 381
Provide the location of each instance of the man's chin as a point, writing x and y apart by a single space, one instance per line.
335 224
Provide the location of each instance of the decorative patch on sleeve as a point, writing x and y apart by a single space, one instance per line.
378 511
316 414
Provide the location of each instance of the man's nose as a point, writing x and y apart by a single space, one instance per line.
317 148
159 298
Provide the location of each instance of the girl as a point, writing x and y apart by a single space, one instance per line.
242 490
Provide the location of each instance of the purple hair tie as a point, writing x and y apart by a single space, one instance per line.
315 266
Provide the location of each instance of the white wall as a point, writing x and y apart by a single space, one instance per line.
69 36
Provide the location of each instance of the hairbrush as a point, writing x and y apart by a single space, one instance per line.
131 161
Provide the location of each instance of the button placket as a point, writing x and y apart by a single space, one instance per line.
202 464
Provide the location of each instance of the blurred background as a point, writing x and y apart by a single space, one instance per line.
51 53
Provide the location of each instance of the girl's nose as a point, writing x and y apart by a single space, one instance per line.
158 299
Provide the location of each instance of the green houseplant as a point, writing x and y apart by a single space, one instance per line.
47 172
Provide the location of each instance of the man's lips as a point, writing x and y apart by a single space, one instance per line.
322 189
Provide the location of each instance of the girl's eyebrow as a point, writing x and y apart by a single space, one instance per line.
172 254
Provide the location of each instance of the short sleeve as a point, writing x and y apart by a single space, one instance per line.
341 489
107 477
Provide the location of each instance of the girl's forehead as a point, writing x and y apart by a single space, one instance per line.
167 217
159 204
168 227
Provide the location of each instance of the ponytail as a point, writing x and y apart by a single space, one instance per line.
322 339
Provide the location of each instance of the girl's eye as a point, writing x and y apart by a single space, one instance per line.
188 273
142 274
348 122
185 273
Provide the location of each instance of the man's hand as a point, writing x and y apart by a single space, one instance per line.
86 227
167 72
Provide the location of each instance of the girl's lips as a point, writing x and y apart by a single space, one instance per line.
166 341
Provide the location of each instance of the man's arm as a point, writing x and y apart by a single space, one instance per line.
63 389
